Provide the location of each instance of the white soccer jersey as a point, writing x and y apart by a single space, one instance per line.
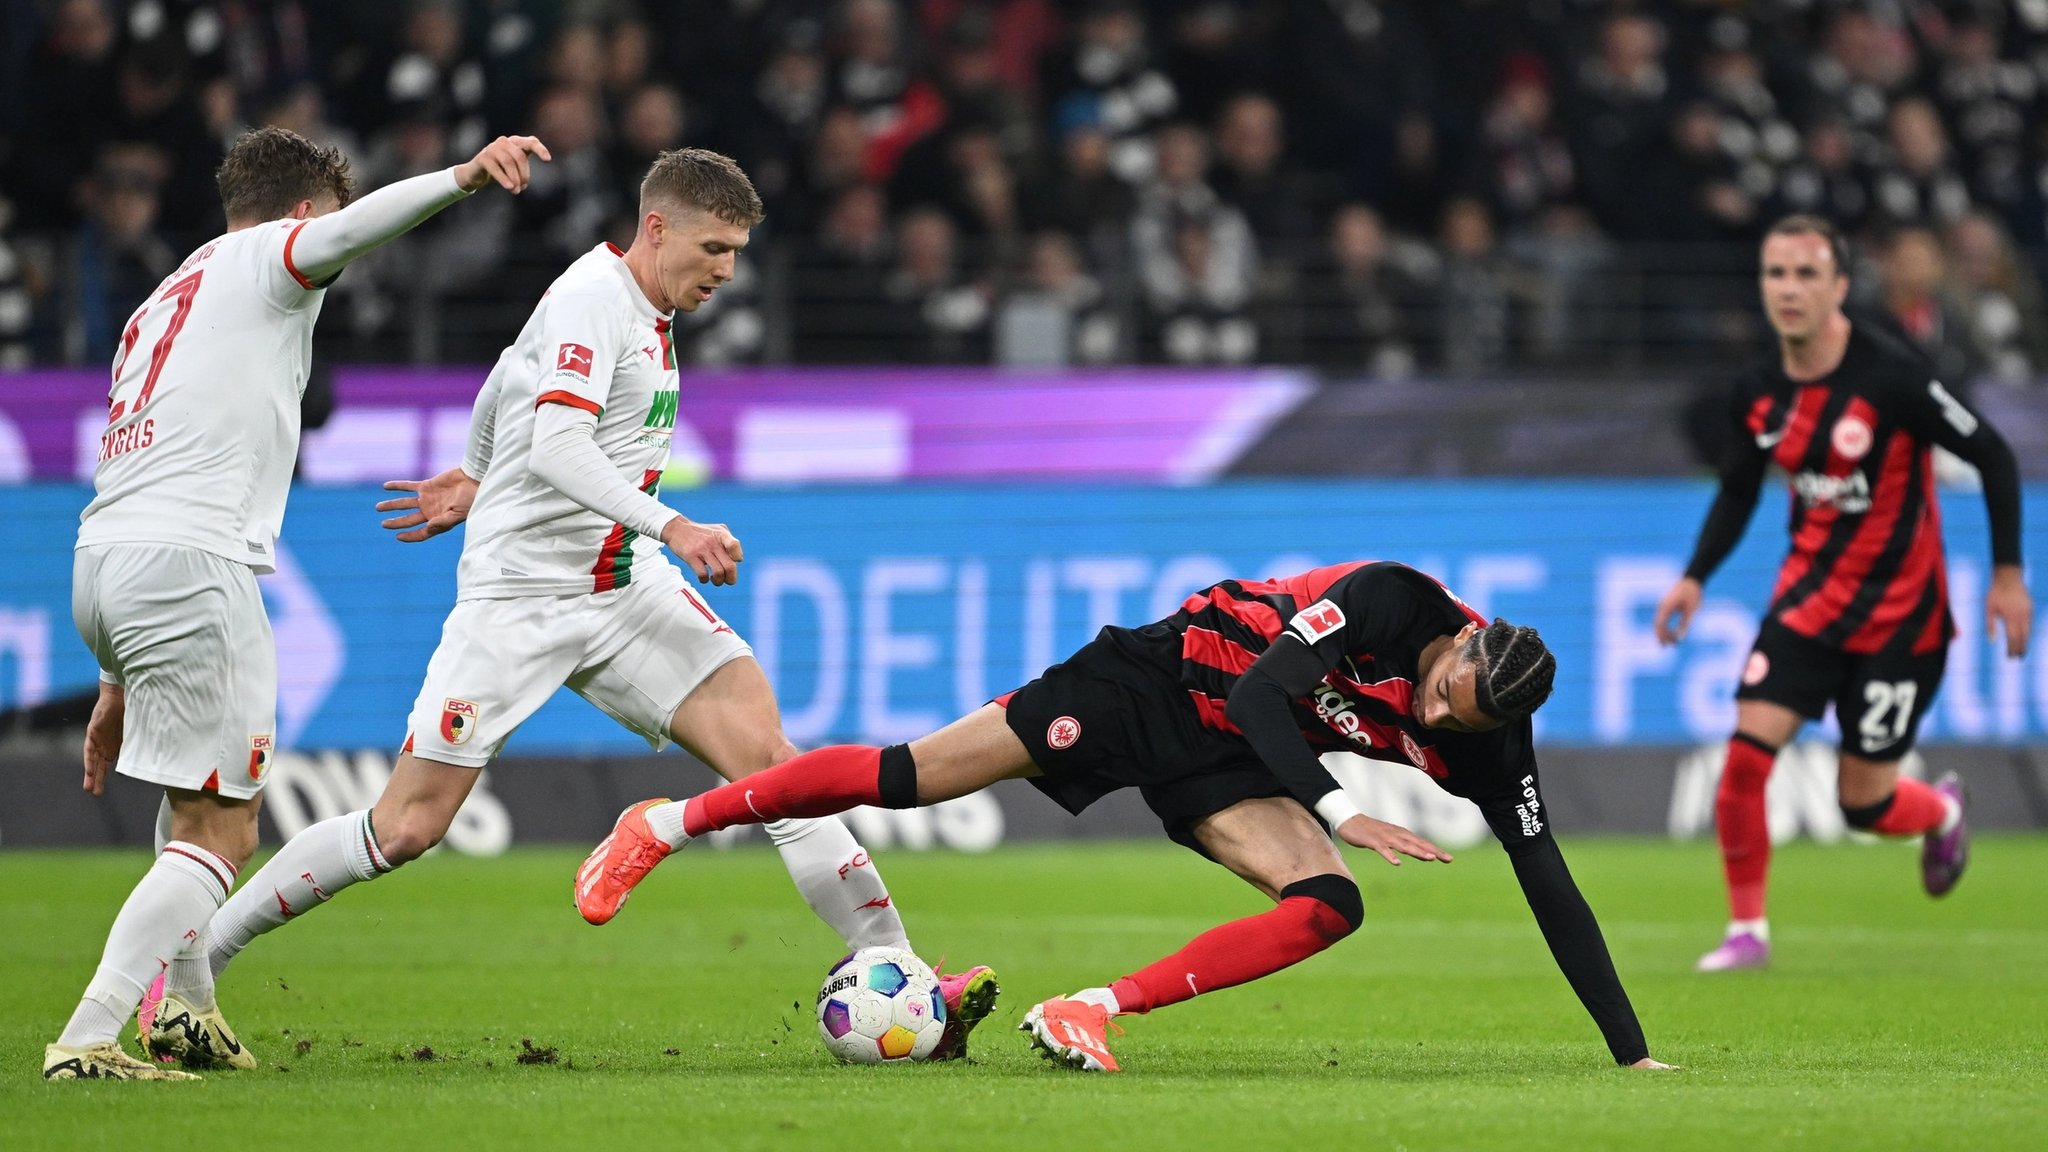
596 343
203 423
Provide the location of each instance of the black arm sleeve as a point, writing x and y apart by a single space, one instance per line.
1933 414
1742 479
1565 918
1261 705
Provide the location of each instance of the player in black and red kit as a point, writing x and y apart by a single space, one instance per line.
1860 614
1217 715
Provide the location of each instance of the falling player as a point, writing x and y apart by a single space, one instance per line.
1860 615
563 581
194 467
1218 714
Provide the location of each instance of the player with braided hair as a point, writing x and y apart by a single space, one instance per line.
1218 715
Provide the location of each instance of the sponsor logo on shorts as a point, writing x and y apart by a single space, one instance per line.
1062 733
1413 751
574 358
259 756
1759 666
1851 438
458 720
1317 621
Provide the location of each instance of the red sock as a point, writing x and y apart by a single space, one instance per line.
823 782
1234 953
1740 821
1916 810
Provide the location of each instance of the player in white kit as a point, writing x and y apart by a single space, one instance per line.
563 581
190 486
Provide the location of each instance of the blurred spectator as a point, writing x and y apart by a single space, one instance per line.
69 109
572 199
1624 103
1108 79
1252 175
2000 298
1087 198
1529 162
627 53
839 306
1915 297
119 255
1058 315
433 69
157 103
1352 79
1208 281
962 171
1989 101
1476 298
1754 132
1697 189
1864 63
940 313
1021 33
1367 305
1197 299
872 72
771 128
651 121
1826 180
1918 187
972 85
1215 49
17 304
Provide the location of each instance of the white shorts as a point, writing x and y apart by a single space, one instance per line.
185 633
636 652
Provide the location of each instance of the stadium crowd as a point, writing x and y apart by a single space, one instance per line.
1370 186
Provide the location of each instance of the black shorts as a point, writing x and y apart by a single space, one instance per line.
1106 719
1879 699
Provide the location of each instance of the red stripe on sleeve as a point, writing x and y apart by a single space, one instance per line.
572 400
1215 650
292 268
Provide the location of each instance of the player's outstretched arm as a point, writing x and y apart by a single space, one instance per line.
324 245
2009 603
1566 920
435 506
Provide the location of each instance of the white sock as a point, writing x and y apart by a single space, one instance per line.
1101 996
666 822
838 880
305 873
1759 928
165 912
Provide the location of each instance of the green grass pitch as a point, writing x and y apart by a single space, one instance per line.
394 1018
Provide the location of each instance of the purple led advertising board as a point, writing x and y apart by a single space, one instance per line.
773 426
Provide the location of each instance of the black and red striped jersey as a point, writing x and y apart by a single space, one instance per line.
1367 622
1865 572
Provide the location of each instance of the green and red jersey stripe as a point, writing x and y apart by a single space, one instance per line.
609 573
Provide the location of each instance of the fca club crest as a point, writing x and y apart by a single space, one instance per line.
259 756
458 720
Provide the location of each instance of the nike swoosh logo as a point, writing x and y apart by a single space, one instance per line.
1769 439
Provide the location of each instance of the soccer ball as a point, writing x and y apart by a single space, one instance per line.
881 1005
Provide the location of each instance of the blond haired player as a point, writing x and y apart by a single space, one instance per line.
194 467
563 581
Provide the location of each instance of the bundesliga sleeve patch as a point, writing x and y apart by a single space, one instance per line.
1317 620
574 358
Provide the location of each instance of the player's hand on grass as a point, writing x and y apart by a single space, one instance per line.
434 507
2009 601
103 736
711 551
503 160
1681 602
1389 839
1654 1065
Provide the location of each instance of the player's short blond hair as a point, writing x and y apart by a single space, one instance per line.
700 178
1808 224
270 169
